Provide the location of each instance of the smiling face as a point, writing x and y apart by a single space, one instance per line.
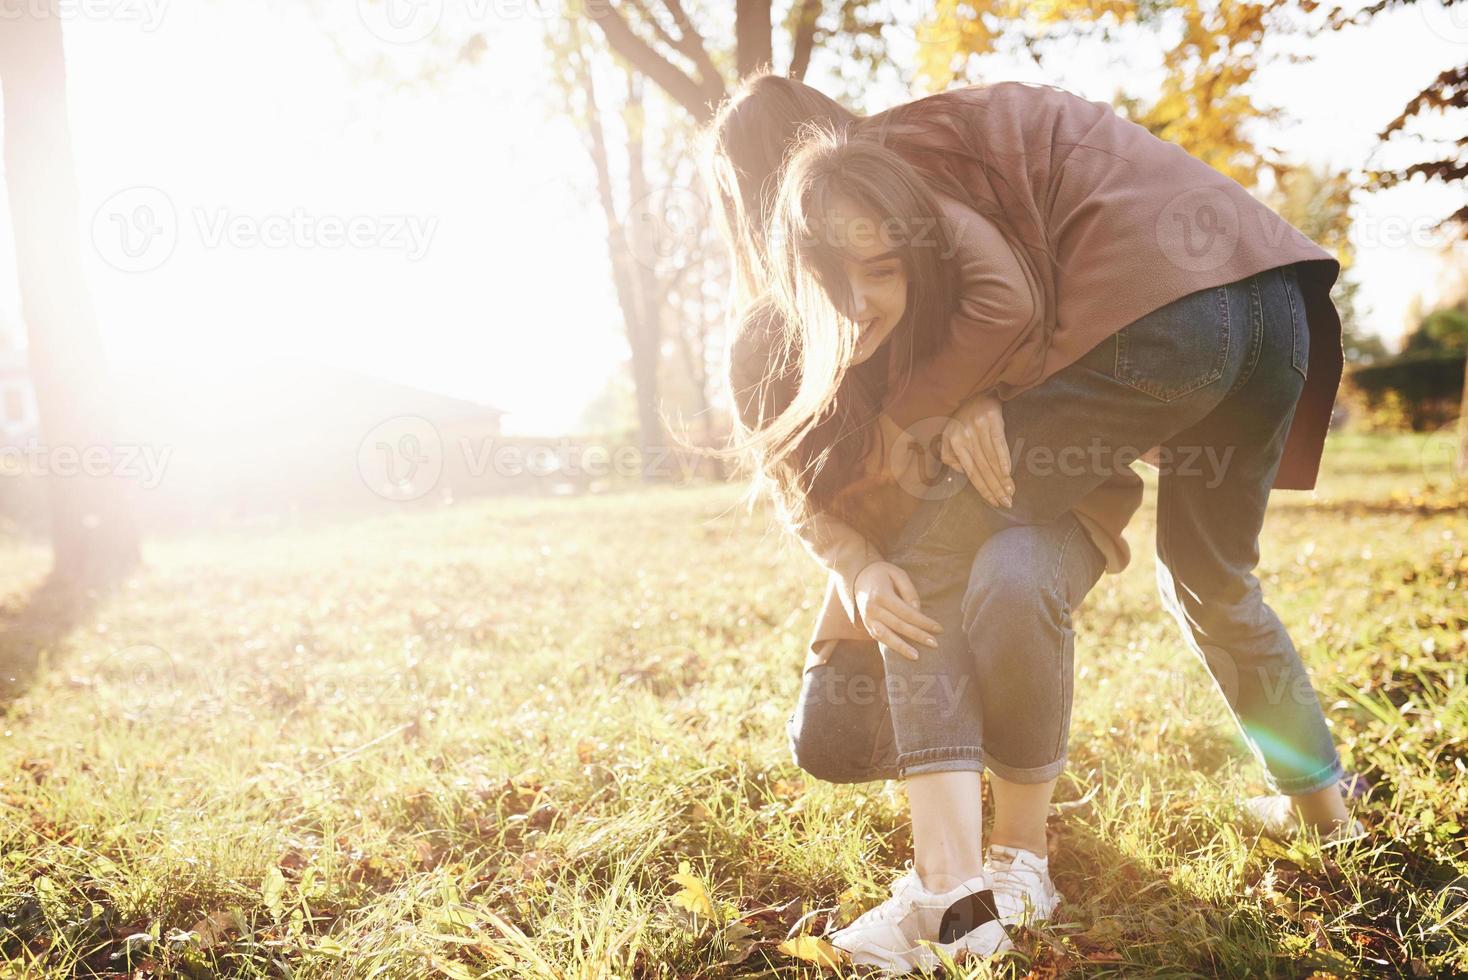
875 274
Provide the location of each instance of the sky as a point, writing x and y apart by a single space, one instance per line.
244 196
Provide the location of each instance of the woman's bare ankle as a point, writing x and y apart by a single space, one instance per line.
1323 810
1025 842
944 876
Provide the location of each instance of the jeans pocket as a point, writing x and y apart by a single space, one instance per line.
1178 348
1299 324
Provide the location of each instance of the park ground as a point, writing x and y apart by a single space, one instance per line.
543 737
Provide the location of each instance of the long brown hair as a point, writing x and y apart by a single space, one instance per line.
889 164
764 378
744 150
814 442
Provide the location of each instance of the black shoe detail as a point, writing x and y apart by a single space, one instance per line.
966 915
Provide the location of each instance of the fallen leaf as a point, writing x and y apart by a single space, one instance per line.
740 939
812 949
694 896
272 890
213 927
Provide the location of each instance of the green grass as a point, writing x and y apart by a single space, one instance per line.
480 741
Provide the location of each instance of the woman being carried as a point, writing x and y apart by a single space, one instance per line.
985 195
1002 689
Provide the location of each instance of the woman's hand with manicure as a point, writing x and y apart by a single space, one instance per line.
890 609
973 441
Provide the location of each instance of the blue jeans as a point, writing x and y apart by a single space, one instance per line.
1003 695
1212 378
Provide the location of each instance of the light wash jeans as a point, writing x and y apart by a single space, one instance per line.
1002 698
1212 378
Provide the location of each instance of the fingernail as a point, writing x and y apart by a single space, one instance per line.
932 642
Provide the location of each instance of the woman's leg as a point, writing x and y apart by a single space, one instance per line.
1023 587
841 728
1020 811
1019 649
1164 375
947 811
1208 523
1067 436
1015 596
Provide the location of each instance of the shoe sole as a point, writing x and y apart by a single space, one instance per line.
926 956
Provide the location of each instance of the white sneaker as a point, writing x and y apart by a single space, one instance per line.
905 932
1275 816
1023 891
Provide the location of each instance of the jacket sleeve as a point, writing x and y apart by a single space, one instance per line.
840 548
996 317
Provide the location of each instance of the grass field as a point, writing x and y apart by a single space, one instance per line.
544 737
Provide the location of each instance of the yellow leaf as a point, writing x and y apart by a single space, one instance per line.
812 950
272 892
455 971
694 897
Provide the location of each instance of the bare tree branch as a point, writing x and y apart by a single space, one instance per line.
804 37
697 97
655 24
692 45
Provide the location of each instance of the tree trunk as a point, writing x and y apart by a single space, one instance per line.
753 49
646 331
634 282
93 534
1463 427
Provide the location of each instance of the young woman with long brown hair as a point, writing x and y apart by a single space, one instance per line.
1060 313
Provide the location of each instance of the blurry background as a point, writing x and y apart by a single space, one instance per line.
343 252
344 342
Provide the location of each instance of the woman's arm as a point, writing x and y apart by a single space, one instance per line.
839 548
834 543
877 595
997 316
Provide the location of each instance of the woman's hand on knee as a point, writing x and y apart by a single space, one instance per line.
891 611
